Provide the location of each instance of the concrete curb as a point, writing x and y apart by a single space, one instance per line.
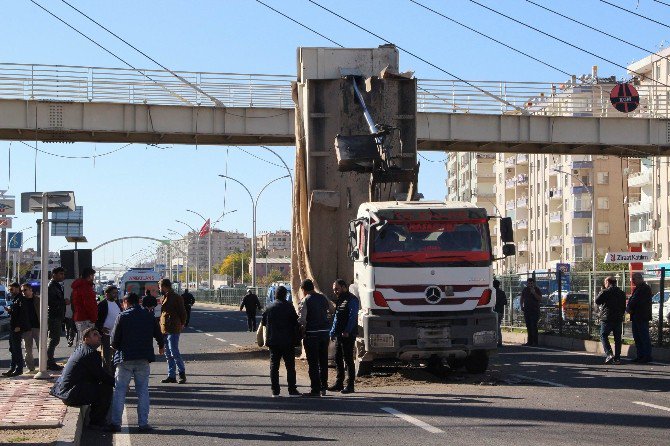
73 425
595 347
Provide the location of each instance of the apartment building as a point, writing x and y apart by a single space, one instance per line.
649 178
223 244
277 241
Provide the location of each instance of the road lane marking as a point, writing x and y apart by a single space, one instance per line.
653 406
222 340
415 421
235 345
208 334
542 381
199 331
578 353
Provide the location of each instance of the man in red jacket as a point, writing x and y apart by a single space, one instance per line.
84 303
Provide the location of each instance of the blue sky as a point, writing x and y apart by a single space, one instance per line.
141 190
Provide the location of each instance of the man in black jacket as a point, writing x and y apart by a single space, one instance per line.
56 315
132 340
189 301
18 324
344 331
501 303
612 303
251 303
281 322
108 310
530 305
313 319
84 381
639 308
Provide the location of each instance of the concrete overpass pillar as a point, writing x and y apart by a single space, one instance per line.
325 199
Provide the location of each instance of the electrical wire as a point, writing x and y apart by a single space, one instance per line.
430 160
195 87
596 29
490 38
662 3
563 41
299 23
71 156
262 159
108 51
634 13
481 90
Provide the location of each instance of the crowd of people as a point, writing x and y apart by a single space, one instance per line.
613 306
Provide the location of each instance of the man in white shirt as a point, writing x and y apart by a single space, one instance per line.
108 310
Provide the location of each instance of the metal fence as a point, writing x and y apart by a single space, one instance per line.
577 315
228 296
160 87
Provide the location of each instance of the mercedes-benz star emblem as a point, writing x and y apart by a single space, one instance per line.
433 295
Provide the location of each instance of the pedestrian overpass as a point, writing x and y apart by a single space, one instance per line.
89 104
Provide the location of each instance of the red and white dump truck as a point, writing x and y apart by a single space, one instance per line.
423 272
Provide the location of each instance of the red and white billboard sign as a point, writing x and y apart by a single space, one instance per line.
5 223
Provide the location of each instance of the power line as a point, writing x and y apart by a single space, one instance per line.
299 23
563 41
635 13
490 38
595 29
662 3
74 157
195 87
108 51
259 158
497 98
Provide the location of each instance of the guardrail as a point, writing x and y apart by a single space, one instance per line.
228 296
121 85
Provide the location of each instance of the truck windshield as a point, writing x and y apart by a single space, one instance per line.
432 242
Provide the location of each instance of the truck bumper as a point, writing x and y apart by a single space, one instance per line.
415 337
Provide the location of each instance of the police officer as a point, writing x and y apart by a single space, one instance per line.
343 332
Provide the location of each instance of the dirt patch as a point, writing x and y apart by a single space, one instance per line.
29 436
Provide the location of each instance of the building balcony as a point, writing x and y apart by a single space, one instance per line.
551 170
582 164
522 224
485 176
555 193
581 214
640 179
486 156
522 202
556 217
556 240
510 162
511 204
510 184
577 190
522 246
522 158
639 207
581 239
523 267
640 237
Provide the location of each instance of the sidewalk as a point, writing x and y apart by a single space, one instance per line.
25 403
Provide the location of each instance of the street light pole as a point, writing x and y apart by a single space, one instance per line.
254 204
197 252
186 261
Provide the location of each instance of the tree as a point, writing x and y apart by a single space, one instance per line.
232 265
586 265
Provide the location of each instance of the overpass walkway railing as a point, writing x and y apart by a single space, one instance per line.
146 86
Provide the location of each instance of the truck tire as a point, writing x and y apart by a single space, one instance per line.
477 362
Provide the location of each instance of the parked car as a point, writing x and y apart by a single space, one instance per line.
656 304
575 307
3 313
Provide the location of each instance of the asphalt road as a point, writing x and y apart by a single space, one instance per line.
530 396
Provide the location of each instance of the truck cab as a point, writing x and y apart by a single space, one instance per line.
423 273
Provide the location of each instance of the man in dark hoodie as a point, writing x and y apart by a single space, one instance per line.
251 303
18 324
56 315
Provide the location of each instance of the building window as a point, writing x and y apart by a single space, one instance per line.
603 177
603 228
603 203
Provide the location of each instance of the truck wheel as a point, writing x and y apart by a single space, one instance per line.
455 364
477 362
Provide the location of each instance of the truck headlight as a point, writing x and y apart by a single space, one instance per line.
484 337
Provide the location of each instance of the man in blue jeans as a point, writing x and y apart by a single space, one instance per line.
639 308
134 350
172 322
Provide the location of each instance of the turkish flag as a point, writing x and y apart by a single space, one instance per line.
205 229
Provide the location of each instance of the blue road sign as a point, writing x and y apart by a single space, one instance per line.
14 241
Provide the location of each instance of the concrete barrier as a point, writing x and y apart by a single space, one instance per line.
73 426
595 347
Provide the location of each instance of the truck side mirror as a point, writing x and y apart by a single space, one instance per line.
509 250
353 242
506 230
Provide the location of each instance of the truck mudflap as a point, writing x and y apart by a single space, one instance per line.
415 337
